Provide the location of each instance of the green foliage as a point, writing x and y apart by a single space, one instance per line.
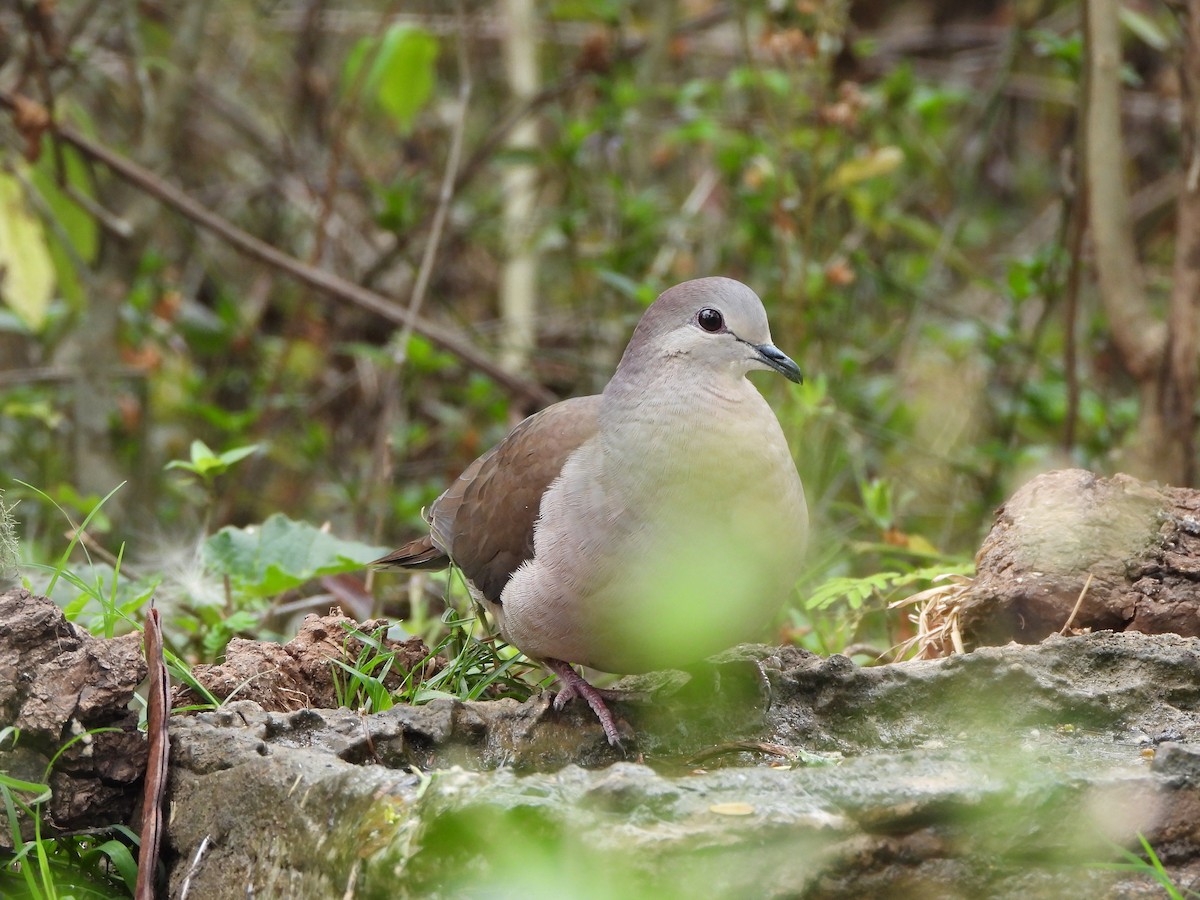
206 465
473 668
49 868
28 285
96 590
400 71
470 669
854 592
873 206
281 554
74 238
878 210
96 596
1148 863
241 572
1145 28
360 685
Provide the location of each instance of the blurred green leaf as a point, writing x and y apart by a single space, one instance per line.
27 286
207 464
1144 27
76 226
401 74
264 560
875 164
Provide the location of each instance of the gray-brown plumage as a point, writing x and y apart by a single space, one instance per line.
645 527
500 494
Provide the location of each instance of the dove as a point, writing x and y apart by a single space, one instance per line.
646 527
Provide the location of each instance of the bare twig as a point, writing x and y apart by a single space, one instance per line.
1075 208
338 132
390 407
1078 603
445 195
677 231
64 373
200 853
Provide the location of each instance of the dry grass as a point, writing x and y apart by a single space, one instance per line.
936 617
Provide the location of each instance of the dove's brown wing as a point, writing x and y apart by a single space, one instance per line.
484 521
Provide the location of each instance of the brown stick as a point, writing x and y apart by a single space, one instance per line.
156 767
318 279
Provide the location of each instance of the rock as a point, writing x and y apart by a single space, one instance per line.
1008 771
59 685
1139 544
301 673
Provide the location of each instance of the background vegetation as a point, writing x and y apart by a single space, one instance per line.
322 255
280 265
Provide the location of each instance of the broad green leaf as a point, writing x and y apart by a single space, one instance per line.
241 620
264 560
28 270
635 290
404 69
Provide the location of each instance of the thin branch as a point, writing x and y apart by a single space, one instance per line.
339 132
445 195
318 279
384 458
1138 336
1078 603
1178 397
1075 210
519 184
60 374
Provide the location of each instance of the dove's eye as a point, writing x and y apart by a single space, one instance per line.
710 320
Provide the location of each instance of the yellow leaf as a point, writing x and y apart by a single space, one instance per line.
883 161
26 269
921 545
732 809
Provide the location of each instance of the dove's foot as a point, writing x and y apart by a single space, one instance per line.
575 685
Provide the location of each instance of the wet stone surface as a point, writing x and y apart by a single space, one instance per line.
1010 771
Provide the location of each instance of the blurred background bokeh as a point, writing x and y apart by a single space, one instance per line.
215 219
